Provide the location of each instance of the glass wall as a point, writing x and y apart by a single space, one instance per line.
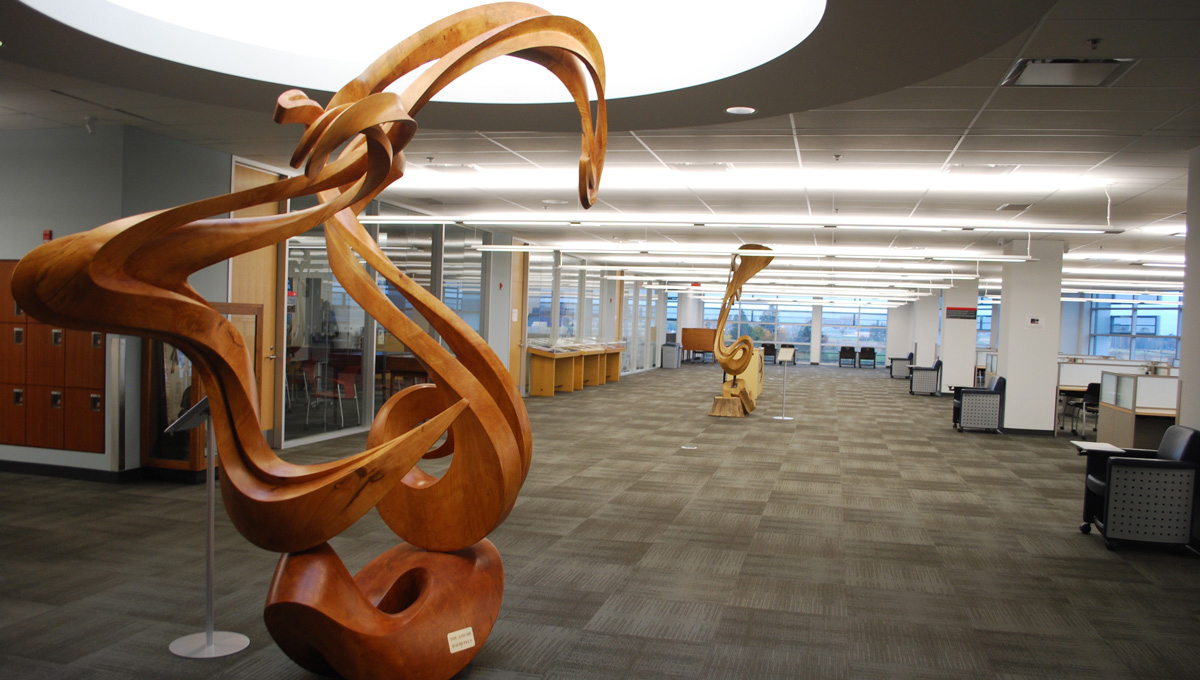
855 327
780 322
462 273
541 296
324 339
1142 332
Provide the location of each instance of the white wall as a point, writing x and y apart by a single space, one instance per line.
69 181
1074 333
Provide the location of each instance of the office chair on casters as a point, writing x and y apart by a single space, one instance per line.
1088 403
1142 494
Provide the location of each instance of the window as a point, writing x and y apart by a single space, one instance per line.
983 324
856 327
1145 331
780 322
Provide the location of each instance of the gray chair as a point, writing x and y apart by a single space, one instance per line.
979 408
899 366
926 379
1141 494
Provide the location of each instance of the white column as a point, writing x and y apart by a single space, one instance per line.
958 335
690 312
925 329
1029 336
814 349
1189 350
900 331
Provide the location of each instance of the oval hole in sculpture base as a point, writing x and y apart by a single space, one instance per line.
195 646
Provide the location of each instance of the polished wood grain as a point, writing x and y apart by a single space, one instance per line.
130 276
736 358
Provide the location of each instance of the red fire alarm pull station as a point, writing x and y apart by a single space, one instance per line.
47 235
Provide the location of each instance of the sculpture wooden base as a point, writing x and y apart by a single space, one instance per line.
407 614
729 407
735 400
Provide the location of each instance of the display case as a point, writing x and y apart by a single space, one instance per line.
1135 410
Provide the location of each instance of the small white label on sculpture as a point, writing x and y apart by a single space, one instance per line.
461 639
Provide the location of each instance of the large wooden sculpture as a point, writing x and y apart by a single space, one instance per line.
738 396
424 608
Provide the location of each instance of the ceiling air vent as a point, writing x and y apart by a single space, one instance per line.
1067 72
1013 207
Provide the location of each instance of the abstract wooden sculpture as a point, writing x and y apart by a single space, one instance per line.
737 398
423 609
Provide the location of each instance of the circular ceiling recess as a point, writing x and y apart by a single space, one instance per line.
649 47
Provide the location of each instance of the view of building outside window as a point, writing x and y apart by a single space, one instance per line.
1147 331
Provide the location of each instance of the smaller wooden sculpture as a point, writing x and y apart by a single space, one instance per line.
738 396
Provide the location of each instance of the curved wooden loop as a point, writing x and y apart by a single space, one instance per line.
735 358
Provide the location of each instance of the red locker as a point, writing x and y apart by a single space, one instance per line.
44 408
85 413
13 341
12 414
45 355
9 312
84 357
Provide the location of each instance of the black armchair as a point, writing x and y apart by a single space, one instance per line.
769 351
926 379
899 366
865 355
847 353
1142 494
980 408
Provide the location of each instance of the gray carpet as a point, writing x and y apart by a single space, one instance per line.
864 539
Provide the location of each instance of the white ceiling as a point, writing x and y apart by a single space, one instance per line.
1135 133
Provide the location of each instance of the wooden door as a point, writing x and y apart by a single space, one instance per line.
253 280
518 294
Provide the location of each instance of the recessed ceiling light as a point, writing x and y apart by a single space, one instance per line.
741 110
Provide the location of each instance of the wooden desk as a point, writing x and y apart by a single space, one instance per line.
1141 429
595 368
612 364
551 372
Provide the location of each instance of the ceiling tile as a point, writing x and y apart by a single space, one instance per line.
1069 121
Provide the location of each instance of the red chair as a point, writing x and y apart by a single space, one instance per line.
345 386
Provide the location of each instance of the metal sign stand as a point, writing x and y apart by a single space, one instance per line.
211 643
783 410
